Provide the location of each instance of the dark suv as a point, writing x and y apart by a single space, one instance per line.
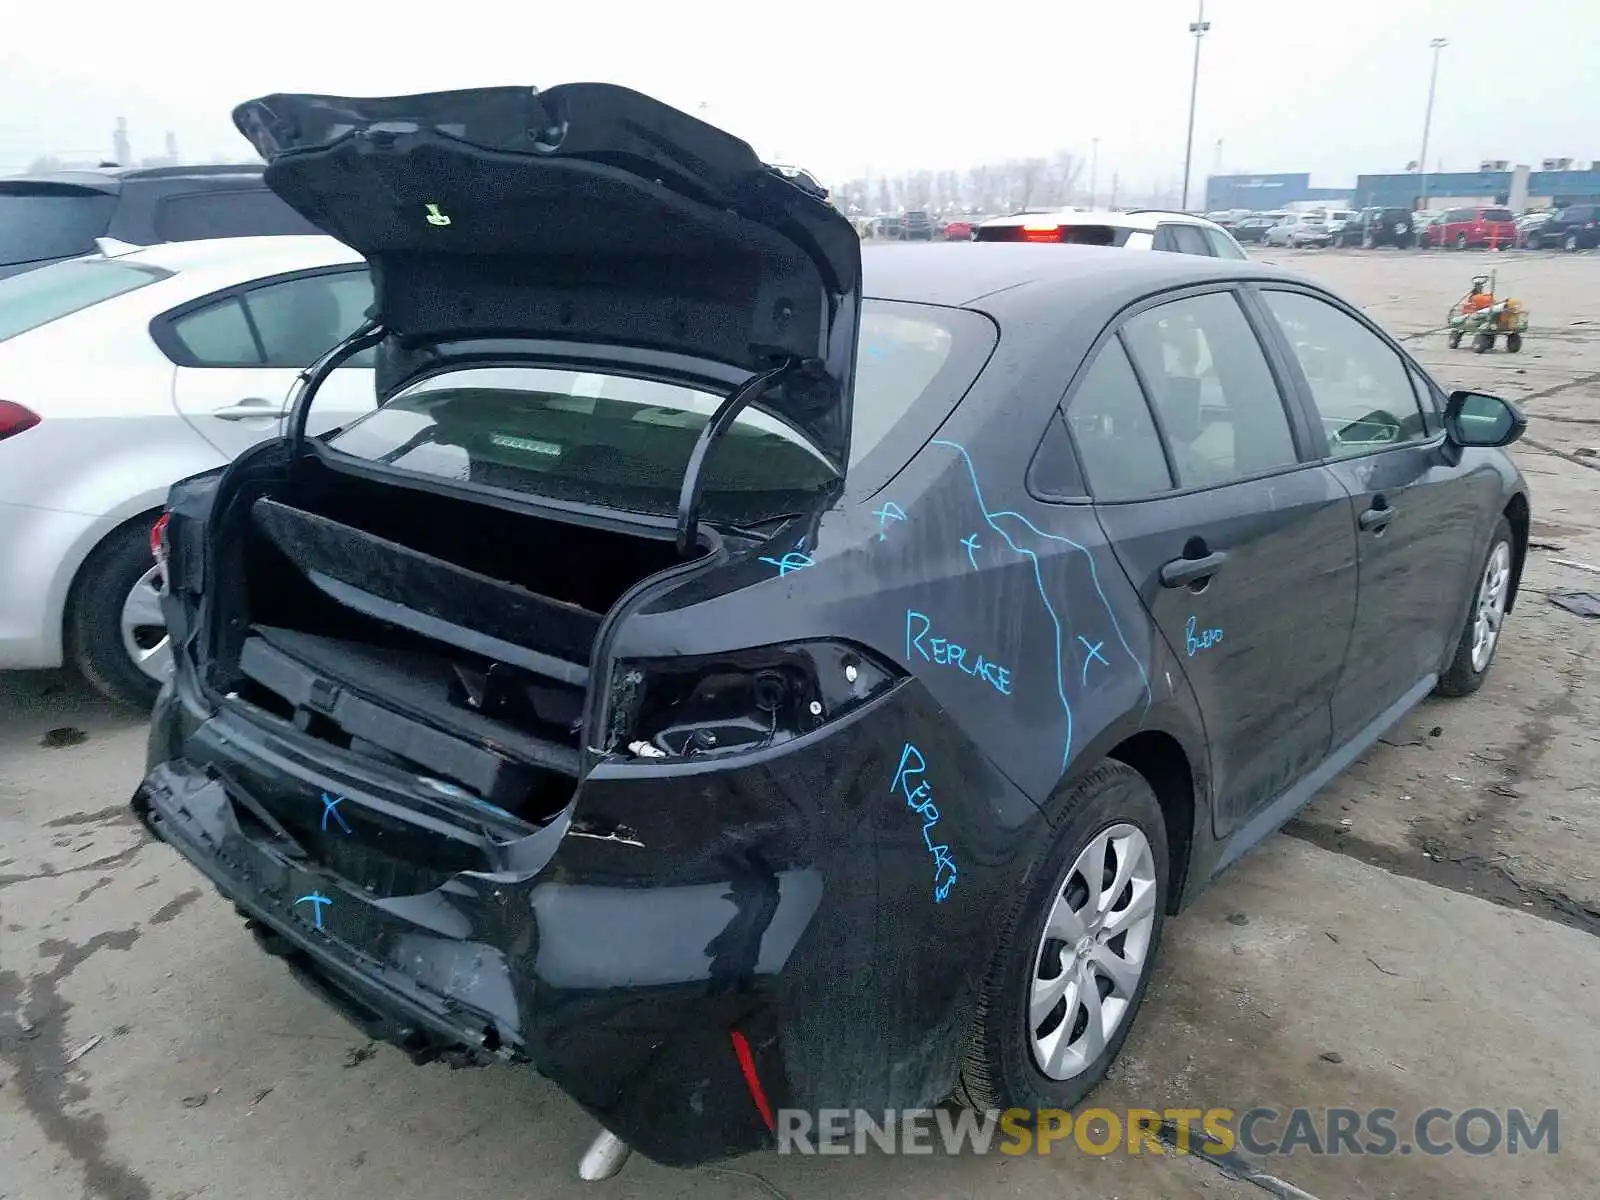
916 226
49 217
1575 227
1381 227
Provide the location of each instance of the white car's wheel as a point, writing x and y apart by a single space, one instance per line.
116 634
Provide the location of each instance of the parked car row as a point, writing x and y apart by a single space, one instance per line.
1573 227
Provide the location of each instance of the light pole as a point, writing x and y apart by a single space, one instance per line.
1094 166
1438 44
1198 27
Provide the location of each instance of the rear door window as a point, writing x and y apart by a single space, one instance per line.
1115 433
37 297
289 323
1222 246
1191 240
40 221
1498 214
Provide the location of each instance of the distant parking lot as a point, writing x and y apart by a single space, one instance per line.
1426 934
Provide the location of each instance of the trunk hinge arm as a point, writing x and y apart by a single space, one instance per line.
727 411
311 379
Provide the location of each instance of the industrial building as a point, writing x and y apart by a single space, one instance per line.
1554 182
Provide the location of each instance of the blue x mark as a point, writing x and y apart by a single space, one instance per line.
316 900
1094 653
971 543
330 808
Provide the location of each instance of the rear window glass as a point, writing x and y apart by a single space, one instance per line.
1498 214
46 294
39 222
625 442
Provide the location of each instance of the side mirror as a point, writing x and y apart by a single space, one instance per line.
1476 419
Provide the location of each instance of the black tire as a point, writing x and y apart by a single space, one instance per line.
1455 338
1513 343
1461 678
1570 243
998 1069
94 615
1483 343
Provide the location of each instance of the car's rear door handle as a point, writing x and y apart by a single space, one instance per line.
1181 572
253 409
1376 519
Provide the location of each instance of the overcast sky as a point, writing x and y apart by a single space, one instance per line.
843 88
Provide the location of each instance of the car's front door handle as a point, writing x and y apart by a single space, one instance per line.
1181 572
1376 520
254 409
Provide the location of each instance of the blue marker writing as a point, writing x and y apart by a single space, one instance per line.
317 900
793 561
1203 640
889 512
1094 653
913 766
945 653
330 808
971 543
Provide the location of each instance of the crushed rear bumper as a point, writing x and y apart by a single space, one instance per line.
777 915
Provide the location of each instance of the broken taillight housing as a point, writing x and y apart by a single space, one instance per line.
158 546
14 419
744 700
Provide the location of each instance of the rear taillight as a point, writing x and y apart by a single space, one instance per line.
743 701
1041 233
14 419
158 542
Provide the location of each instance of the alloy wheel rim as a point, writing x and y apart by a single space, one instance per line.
1491 608
1093 953
144 628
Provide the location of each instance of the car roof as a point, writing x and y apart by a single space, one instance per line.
1142 219
259 255
111 179
1022 275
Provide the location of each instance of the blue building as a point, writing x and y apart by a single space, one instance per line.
1262 193
1543 189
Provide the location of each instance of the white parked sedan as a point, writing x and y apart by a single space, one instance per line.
121 373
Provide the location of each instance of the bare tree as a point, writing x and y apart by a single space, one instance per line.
1064 173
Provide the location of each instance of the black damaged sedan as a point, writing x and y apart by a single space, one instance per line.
730 674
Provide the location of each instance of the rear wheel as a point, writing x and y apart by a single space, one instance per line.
116 634
1074 955
1481 635
1513 342
1483 343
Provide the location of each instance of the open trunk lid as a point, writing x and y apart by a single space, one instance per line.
586 213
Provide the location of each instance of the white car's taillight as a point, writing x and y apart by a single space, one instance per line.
158 546
14 419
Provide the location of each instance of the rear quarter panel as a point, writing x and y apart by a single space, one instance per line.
1028 656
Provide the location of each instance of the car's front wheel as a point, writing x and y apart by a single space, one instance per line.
1480 638
116 634
1074 955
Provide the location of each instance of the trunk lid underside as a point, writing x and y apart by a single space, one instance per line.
586 213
